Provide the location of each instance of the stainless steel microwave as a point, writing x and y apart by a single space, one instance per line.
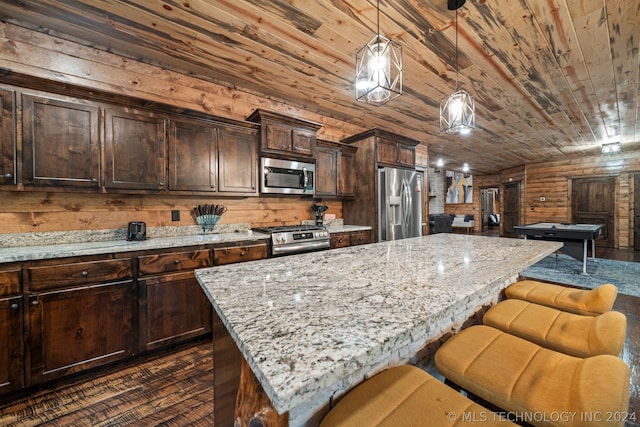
287 177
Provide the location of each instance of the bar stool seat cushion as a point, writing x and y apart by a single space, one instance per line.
589 302
406 396
573 334
548 387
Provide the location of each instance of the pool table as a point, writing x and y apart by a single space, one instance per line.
575 237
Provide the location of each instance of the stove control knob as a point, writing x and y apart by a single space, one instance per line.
281 238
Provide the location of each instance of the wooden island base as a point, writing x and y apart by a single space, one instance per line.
253 407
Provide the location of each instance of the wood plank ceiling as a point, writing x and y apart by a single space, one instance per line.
552 78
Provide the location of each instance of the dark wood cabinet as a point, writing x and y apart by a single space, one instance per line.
213 157
286 135
79 315
353 238
11 332
193 163
60 143
237 161
240 252
7 137
172 307
391 152
134 150
74 329
335 169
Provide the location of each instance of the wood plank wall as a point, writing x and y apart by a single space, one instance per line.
40 55
552 180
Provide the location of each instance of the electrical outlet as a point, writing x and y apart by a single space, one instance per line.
175 215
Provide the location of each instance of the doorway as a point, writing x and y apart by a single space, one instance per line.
593 202
511 210
490 208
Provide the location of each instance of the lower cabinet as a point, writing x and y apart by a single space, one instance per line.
173 308
78 328
353 238
11 348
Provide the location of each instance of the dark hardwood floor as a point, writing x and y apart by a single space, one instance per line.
177 389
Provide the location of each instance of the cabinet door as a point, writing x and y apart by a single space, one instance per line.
75 329
11 348
326 172
304 142
173 308
346 174
192 157
7 137
60 143
134 150
406 155
277 137
238 161
386 151
339 240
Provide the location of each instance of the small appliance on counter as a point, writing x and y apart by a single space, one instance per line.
319 210
137 231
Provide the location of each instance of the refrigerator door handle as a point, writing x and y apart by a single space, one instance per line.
406 205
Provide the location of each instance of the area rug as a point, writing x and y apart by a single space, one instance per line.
562 268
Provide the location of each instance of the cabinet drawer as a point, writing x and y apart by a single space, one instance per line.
360 238
78 273
340 240
9 282
222 256
173 261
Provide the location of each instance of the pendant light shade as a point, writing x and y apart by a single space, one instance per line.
457 111
379 69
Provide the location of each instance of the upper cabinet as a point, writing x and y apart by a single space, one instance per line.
286 135
213 157
392 152
135 145
335 169
60 142
7 137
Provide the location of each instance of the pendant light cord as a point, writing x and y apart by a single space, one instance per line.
378 20
456 49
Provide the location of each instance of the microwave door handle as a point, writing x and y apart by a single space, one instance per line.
306 177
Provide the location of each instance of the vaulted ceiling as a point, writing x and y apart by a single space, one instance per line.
551 78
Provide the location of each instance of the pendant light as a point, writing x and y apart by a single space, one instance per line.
457 111
379 69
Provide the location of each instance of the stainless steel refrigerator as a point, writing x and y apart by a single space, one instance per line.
399 203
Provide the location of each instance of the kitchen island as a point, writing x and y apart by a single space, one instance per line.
313 325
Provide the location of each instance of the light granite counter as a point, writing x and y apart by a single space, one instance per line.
321 322
72 247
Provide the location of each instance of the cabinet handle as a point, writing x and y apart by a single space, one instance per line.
161 184
242 253
94 179
14 306
8 175
176 262
34 303
85 273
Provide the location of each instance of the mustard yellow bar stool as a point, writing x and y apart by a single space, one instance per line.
543 387
589 302
406 396
569 333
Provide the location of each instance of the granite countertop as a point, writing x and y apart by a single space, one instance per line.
320 321
50 250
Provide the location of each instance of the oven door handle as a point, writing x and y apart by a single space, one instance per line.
300 247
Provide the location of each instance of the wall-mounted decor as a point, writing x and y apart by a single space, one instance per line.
459 187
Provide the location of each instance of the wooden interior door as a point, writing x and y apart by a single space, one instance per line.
636 212
511 206
593 202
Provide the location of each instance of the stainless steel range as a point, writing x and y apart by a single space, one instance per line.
294 239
